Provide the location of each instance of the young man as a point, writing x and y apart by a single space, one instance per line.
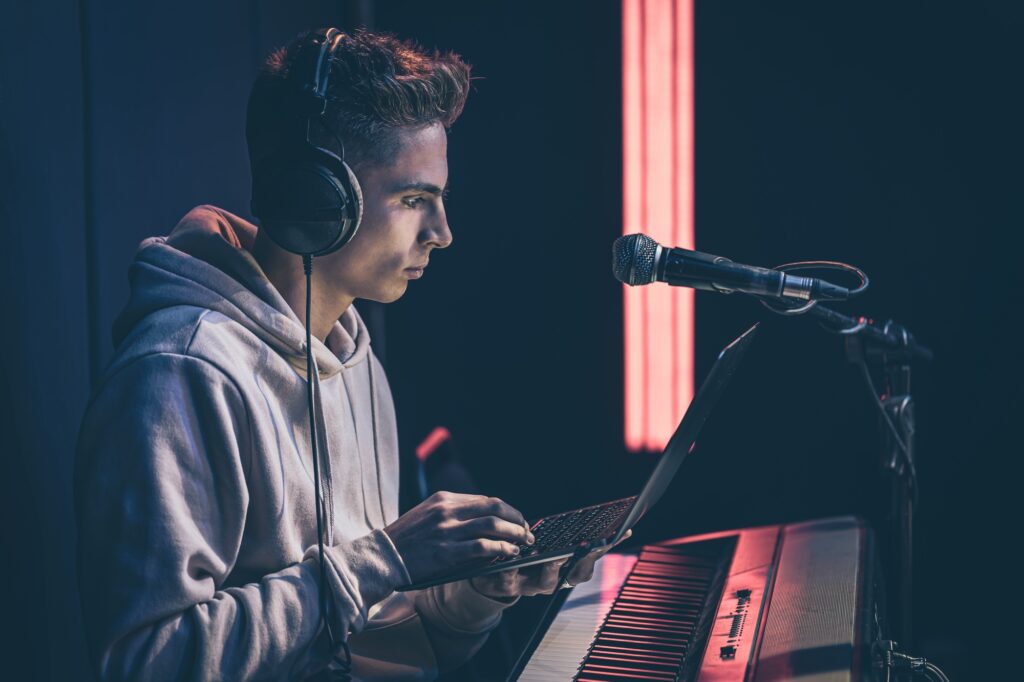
194 491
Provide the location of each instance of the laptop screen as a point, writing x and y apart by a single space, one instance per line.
682 441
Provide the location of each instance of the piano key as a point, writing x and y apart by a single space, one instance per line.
628 651
651 640
650 625
624 673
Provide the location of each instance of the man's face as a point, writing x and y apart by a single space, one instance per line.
403 219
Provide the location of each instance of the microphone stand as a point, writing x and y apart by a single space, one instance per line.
890 349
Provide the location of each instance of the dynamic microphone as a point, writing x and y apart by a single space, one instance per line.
637 259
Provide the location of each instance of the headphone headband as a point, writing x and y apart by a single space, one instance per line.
310 70
306 197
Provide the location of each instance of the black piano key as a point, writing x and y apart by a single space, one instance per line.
670 611
642 609
601 676
647 638
676 582
647 607
682 570
668 602
683 584
634 667
651 620
671 642
659 559
631 628
622 672
635 661
648 594
672 660
630 620
639 641
660 609
669 586
681 601
642 637
631 651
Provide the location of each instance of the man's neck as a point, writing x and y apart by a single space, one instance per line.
284 270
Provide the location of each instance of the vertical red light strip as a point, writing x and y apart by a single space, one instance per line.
632 202
657 200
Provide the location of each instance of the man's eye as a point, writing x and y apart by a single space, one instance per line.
413 202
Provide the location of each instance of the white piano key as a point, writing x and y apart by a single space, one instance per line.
568 638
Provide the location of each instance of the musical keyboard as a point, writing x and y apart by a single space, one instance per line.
793 602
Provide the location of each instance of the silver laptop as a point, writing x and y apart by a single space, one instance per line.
589 528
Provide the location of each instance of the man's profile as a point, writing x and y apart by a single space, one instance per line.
194 477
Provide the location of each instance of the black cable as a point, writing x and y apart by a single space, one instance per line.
346 665
934 670
908 461
829 265
782 308
889 658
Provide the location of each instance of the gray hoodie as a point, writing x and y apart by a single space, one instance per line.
194 490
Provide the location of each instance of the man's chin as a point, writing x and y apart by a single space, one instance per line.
389 296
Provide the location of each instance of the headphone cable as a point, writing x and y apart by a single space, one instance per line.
345 665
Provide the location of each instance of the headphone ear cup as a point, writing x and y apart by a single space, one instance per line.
356 204
309 202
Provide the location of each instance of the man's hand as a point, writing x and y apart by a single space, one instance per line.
448 529
539 579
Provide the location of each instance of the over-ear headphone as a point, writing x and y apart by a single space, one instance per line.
306 197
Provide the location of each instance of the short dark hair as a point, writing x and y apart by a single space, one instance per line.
378 85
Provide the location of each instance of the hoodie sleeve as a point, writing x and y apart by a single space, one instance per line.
161 499
458 619
415 634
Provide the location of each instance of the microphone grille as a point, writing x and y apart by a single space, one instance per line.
633 259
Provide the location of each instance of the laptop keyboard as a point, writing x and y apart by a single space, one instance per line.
568 530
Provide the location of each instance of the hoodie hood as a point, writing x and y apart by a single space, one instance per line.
207 262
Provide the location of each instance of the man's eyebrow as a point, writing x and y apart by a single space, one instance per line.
427 187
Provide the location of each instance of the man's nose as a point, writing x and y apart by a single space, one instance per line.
437 233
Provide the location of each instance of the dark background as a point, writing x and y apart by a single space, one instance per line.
885 134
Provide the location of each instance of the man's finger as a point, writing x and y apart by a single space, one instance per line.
503 584
541 579
497 507
473 506
492 527
549 578
481 548
584 569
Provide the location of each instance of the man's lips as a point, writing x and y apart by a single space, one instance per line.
415 272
